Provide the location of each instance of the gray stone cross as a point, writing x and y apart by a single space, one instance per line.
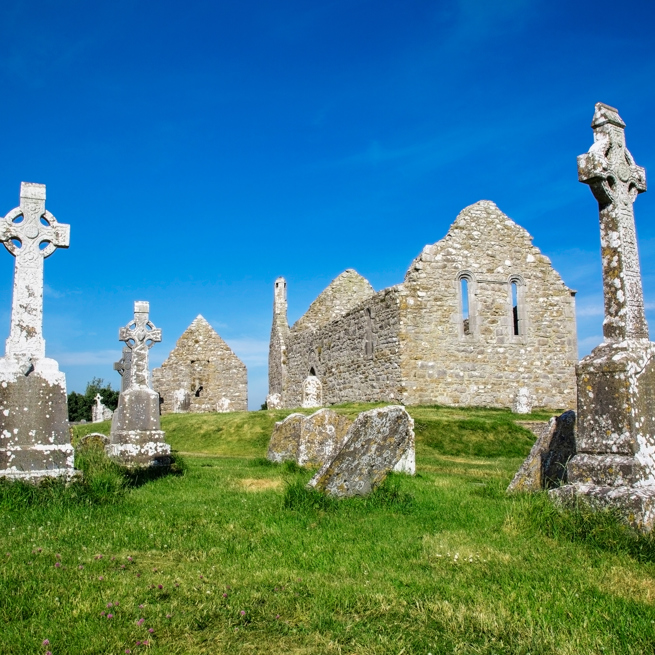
139 335
615 180
30 233
122 366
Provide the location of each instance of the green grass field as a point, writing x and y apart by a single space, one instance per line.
233 555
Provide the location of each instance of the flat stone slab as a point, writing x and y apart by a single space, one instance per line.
376 443
545 466
321 437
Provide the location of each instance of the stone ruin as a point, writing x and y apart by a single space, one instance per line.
481 316
353 457
34 439
615 441
136 438
201 374
99 412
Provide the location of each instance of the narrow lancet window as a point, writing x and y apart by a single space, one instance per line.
515 309
466 320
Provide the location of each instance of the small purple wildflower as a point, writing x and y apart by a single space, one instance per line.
145 642
102 613
80 567
169 616
112 559
177 584
138 575
127 651
138 643
48 652
110 616
154 570
224 595
39 550
122 566
140 606
109 605
100 577
277 616
46 642
159 586
98 557
129 559
140 621
58 555
243 612
57 565
201 577
151 630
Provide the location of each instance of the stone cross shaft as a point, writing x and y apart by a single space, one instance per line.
139 335
30 233
615 180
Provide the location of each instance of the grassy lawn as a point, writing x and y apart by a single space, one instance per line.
235 556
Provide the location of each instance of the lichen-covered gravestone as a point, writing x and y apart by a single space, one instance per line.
545 466
522 402
99 412
312 392
283 445
379 440
615 440
136 437
34 439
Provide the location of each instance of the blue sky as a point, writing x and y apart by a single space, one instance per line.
200 149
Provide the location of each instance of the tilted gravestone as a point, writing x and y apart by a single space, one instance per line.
283 445
34 439
379 440
545 466
136 437
615 440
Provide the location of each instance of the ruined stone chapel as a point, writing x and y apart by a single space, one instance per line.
481 318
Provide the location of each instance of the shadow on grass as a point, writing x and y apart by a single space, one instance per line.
102 482
388 495
600 529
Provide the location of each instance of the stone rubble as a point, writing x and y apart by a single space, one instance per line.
34 436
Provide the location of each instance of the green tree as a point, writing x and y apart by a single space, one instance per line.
79 405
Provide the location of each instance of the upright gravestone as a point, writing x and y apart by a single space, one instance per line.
615 441
34 440
136 437
98 410
312 392
122 366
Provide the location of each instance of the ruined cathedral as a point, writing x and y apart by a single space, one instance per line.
481 318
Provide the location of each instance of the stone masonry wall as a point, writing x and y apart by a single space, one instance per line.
443 364
356 356
204 366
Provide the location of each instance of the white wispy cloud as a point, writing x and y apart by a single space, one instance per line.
252 352
87 358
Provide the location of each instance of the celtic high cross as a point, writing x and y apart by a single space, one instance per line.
615 180
30 233
139 335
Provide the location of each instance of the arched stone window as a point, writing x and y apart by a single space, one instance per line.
368 340
517 318
467 306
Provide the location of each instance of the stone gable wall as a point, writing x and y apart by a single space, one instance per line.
356 357
441 364
202 359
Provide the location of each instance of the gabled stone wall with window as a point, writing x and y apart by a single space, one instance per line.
442 364
415 343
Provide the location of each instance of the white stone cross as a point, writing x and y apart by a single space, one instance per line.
139 335
30 233
615 180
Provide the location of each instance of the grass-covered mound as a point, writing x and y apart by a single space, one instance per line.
236 556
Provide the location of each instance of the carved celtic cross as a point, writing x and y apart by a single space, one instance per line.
139 335
30 233
615 180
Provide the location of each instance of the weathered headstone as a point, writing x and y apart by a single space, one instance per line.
34 439
283 445
181 401
273 401
99 412
122 366
376 443
615 461
312 392
136 437
545 466
223 405
522 401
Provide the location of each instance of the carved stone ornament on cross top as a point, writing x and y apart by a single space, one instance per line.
30 233
615 180
139 335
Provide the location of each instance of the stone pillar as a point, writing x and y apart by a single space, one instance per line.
34 439
136 438
615 440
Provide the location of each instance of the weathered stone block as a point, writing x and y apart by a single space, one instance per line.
283 446
376 442
545 466
321 436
